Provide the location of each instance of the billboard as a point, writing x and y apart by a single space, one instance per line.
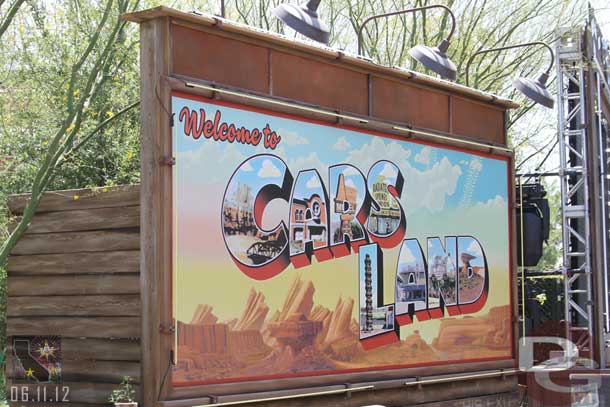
302 248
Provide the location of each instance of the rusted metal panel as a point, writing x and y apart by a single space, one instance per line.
477 120
253 65
275 41
318 83
400 102
227 61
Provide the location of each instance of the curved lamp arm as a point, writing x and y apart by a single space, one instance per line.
410 10
525 44
312 5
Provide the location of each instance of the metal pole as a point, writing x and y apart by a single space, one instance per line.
321 111
405 11
222 8
525 44
538 174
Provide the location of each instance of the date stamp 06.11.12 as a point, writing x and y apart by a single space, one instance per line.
33 395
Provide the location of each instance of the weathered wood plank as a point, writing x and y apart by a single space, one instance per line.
76 327
75 305
75 242
100 349
85 219
88 198
74 285
100 371
155 207
70 263
78 392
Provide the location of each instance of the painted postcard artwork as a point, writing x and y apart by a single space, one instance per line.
303 248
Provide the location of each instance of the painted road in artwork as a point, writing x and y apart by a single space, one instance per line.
302 248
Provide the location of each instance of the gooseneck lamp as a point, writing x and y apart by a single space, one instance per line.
304 20
433 58
534 89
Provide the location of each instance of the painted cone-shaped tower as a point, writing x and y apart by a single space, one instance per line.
368 286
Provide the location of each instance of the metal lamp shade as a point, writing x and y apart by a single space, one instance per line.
435 59
536 90
303 20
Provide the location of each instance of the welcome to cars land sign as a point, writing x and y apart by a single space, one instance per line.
302 248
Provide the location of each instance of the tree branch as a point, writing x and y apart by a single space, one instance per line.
10 15
101 126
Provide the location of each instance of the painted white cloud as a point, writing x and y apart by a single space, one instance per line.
427 189
495 203
430 188
389 171
342 144
311 161
268 170
406 256
350 183
292 138
474 249
423 157
226 159
349 171
378 148
313 182
247 167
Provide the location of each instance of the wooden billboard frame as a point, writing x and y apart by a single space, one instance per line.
158 81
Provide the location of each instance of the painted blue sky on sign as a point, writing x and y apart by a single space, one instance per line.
436 179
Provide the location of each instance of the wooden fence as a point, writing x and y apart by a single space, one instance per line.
75 274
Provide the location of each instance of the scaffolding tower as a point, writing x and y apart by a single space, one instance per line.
574 190
583 111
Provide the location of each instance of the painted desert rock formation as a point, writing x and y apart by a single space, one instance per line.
338 336
205 335
301 336
203 315
299 300
418 347
254 313
340 322
491 330
212 338
296 332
